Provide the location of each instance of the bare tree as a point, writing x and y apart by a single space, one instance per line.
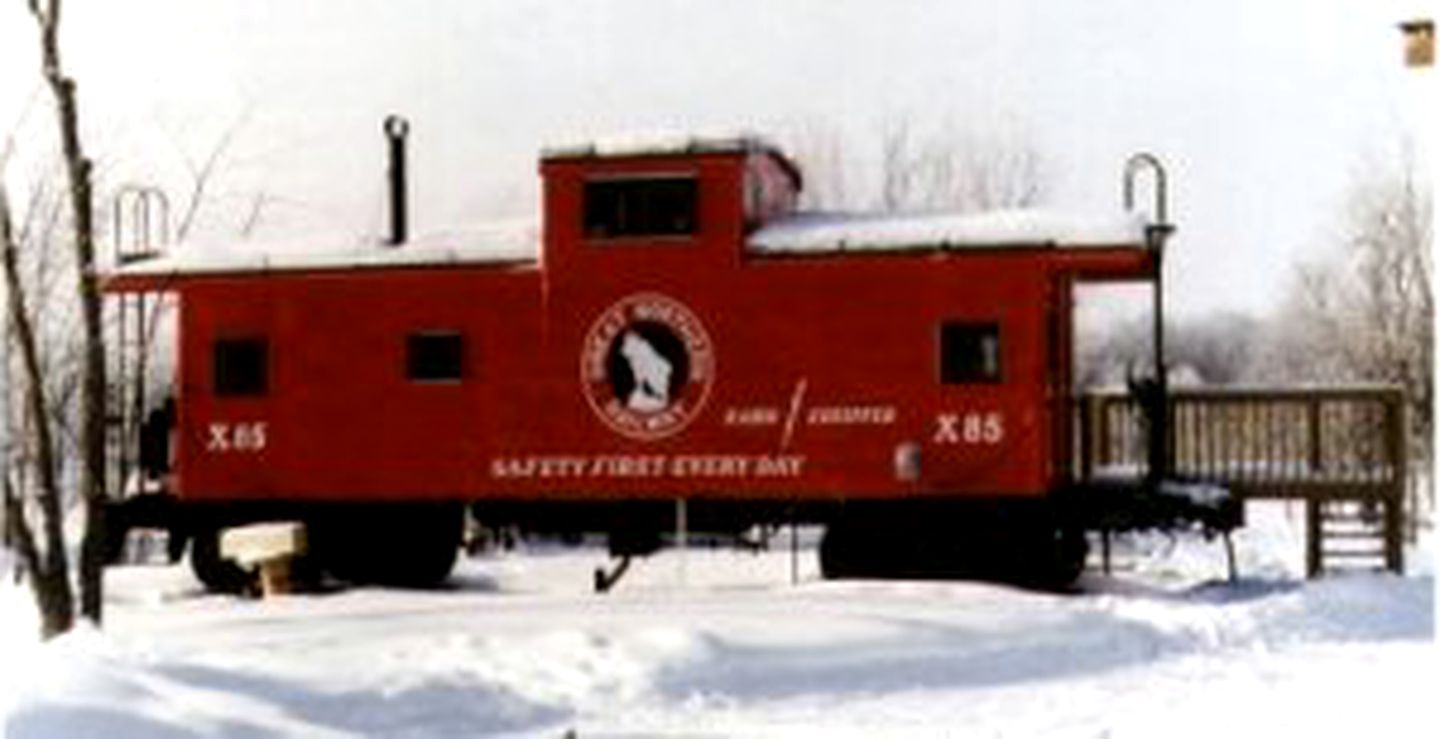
1216 349
957 170
897 168
822 156
44 558
1366 313
947 168
54 309
52 577
38 239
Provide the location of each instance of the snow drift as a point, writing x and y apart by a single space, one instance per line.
720 642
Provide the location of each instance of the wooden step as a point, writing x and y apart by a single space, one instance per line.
1357 513
1353 554
1375 520
1377 534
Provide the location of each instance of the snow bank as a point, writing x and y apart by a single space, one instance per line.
819 232
82 685
19 621
724 644
19 636
496 243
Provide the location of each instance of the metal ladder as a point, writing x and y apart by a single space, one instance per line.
141 228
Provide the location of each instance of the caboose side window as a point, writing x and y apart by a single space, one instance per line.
241 367
969 353
640 206
435 356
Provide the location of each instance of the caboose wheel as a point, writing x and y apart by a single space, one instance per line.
1021 545
851 549
218 575
1072 549
402 545
837 555
1050 558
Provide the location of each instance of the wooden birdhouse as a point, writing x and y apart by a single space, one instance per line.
1419 42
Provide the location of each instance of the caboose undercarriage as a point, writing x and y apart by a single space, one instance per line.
1040 542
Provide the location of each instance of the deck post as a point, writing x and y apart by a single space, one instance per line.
1089 434
1102 433
1313 544
1395 519
1394 535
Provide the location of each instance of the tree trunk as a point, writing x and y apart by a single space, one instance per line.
49 571
52 590
92 408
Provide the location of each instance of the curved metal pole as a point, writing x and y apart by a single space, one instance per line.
1156 232
1146 160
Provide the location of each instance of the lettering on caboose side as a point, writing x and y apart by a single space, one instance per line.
247 437
970 428
851 415
646 466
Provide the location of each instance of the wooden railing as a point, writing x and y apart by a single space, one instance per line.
1345 442
1332 447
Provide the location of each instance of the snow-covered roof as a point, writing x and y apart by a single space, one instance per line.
660 143
495 243
519 241
672 143
822 232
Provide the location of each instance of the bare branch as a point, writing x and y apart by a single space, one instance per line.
252 220
1367 314
955 170
202 175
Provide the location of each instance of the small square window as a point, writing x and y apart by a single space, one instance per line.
241 367
969 353
435 357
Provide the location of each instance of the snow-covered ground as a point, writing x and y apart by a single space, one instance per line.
721 643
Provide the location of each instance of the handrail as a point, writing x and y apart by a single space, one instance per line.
148 211
1247 392
1155 388
1265 442
1146 160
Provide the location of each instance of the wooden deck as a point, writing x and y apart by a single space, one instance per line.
1341 450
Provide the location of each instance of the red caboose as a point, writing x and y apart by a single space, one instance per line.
673 331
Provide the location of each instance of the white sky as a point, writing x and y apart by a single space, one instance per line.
1263 111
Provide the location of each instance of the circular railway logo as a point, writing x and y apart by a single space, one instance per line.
647 366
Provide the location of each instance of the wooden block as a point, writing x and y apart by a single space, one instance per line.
275 576
252 545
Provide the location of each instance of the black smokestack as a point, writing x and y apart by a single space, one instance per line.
396 129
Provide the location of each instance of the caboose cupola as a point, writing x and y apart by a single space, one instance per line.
612 197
